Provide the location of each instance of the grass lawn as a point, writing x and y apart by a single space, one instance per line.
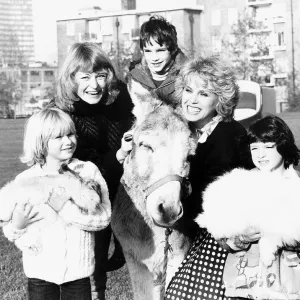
12 278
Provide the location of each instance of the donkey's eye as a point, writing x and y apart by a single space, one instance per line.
146 146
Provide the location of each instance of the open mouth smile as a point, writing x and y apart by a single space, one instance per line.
193 110
94 93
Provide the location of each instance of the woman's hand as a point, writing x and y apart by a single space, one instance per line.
24 214
126 147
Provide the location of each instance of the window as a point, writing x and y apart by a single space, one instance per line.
49 73
34 73
127 23
94 27
106 26
70 28
232 16
216 17
216 44
129 4
279 10
280 38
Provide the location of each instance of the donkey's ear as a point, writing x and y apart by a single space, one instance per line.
143 99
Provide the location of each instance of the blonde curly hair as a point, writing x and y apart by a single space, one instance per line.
215 74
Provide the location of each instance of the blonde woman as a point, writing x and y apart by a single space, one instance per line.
100 106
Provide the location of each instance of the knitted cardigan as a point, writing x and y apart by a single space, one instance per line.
60 247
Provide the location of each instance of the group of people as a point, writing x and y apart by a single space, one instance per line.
83 129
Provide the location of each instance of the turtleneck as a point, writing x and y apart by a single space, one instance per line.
85 109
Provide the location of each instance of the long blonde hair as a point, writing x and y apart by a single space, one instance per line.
39 129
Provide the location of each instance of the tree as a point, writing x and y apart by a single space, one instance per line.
248 48
10 92
293 93
127 52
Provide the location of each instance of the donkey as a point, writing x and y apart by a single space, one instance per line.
149 200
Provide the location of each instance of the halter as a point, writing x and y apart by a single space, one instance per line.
157 184
149 190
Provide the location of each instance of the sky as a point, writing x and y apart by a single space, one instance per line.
45 14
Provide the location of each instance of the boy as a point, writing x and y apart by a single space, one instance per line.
155 74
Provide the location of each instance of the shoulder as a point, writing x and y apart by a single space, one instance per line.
229 130
32 171
123 103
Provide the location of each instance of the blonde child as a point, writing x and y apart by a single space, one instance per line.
59 262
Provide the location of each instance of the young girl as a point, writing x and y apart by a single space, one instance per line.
59 265
273 149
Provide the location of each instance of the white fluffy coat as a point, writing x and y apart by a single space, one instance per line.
268 202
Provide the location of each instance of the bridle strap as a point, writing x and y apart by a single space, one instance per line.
150 189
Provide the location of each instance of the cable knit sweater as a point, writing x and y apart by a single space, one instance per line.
62 249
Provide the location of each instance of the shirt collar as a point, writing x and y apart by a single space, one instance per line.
207 129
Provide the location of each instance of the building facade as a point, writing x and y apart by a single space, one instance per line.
204 27
118 32
16 32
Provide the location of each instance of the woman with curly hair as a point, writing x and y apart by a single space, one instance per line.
209 94
100 106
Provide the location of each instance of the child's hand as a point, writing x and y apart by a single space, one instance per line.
126 147
23 215
250 235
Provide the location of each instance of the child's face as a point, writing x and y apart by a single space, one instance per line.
61 148
157 56
266 157
91 86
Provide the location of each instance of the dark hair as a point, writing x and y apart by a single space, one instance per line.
85 57
159 29
273 129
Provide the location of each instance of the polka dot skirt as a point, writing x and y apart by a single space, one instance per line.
200 274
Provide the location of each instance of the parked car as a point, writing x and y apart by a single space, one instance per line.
255 101
249 107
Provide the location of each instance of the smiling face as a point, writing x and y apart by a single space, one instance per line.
157 56
61 148
91 86
198 102
266 157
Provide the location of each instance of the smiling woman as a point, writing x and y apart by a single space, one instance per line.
91 86
100 106
209 93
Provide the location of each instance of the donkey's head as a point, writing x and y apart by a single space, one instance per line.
156 170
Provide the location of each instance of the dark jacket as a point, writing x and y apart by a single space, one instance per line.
100 129
226 148
165 91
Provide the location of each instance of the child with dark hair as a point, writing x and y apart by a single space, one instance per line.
267 194
154 76
270 138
